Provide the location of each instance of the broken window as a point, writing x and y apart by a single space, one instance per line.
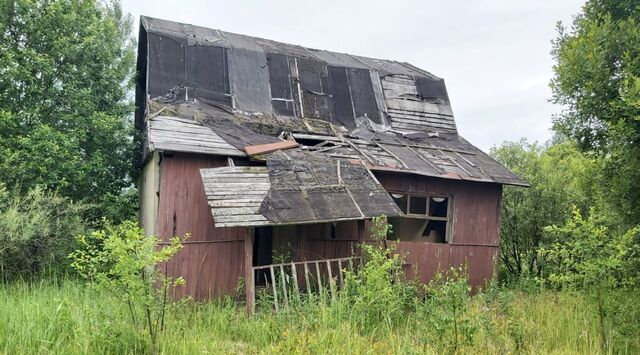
427 218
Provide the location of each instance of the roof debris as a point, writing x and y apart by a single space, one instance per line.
295 188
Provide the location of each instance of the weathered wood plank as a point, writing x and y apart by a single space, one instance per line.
273 284
230 186
422 120
418 106
235 169
283 278
235 203
294 274
419 113
319 276
195 149
331 285
306 277
233 211
215 197
244 224
248 271
241 218
417 127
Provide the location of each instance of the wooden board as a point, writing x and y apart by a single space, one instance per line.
167 133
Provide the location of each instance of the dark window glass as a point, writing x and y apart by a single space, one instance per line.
418 205
438 206
401 201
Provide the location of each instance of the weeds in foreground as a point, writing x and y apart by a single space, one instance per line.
67 317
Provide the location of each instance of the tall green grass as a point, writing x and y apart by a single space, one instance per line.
67 317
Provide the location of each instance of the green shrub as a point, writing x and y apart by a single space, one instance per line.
447 310
377 292
122 260
591 256
37 232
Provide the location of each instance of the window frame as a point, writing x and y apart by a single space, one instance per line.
448 219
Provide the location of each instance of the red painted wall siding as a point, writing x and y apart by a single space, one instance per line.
476 226
212 259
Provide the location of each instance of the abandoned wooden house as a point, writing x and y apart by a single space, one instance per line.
275 156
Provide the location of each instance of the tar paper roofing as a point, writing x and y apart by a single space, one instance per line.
207 91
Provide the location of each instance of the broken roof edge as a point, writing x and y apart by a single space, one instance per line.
446 177
522 183
147 22
174 140
293 223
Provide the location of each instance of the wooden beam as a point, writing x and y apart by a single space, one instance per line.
273 287
283 277
331 286
250 293
269 147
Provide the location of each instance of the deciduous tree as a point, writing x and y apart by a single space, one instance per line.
66 70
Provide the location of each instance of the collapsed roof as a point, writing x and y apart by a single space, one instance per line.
207 91
295 188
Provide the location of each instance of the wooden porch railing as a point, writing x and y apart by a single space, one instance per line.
287 279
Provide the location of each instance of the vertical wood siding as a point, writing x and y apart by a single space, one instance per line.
212 258
475 234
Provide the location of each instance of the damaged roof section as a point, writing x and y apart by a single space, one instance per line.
235 194
186 135
213 92
295 188
249 74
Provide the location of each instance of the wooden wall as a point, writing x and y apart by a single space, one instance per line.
315 241
476 225
212 259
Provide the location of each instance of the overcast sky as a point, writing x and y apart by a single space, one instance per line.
493 54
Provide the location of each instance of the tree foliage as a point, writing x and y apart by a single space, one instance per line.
590 256
560 177
587 254
66 68
597 80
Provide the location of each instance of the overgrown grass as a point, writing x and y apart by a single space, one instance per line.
69 318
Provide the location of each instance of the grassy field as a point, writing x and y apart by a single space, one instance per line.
70 318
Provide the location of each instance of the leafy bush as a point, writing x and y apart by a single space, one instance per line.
377 293
590 256
124 261
446 310
37 232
